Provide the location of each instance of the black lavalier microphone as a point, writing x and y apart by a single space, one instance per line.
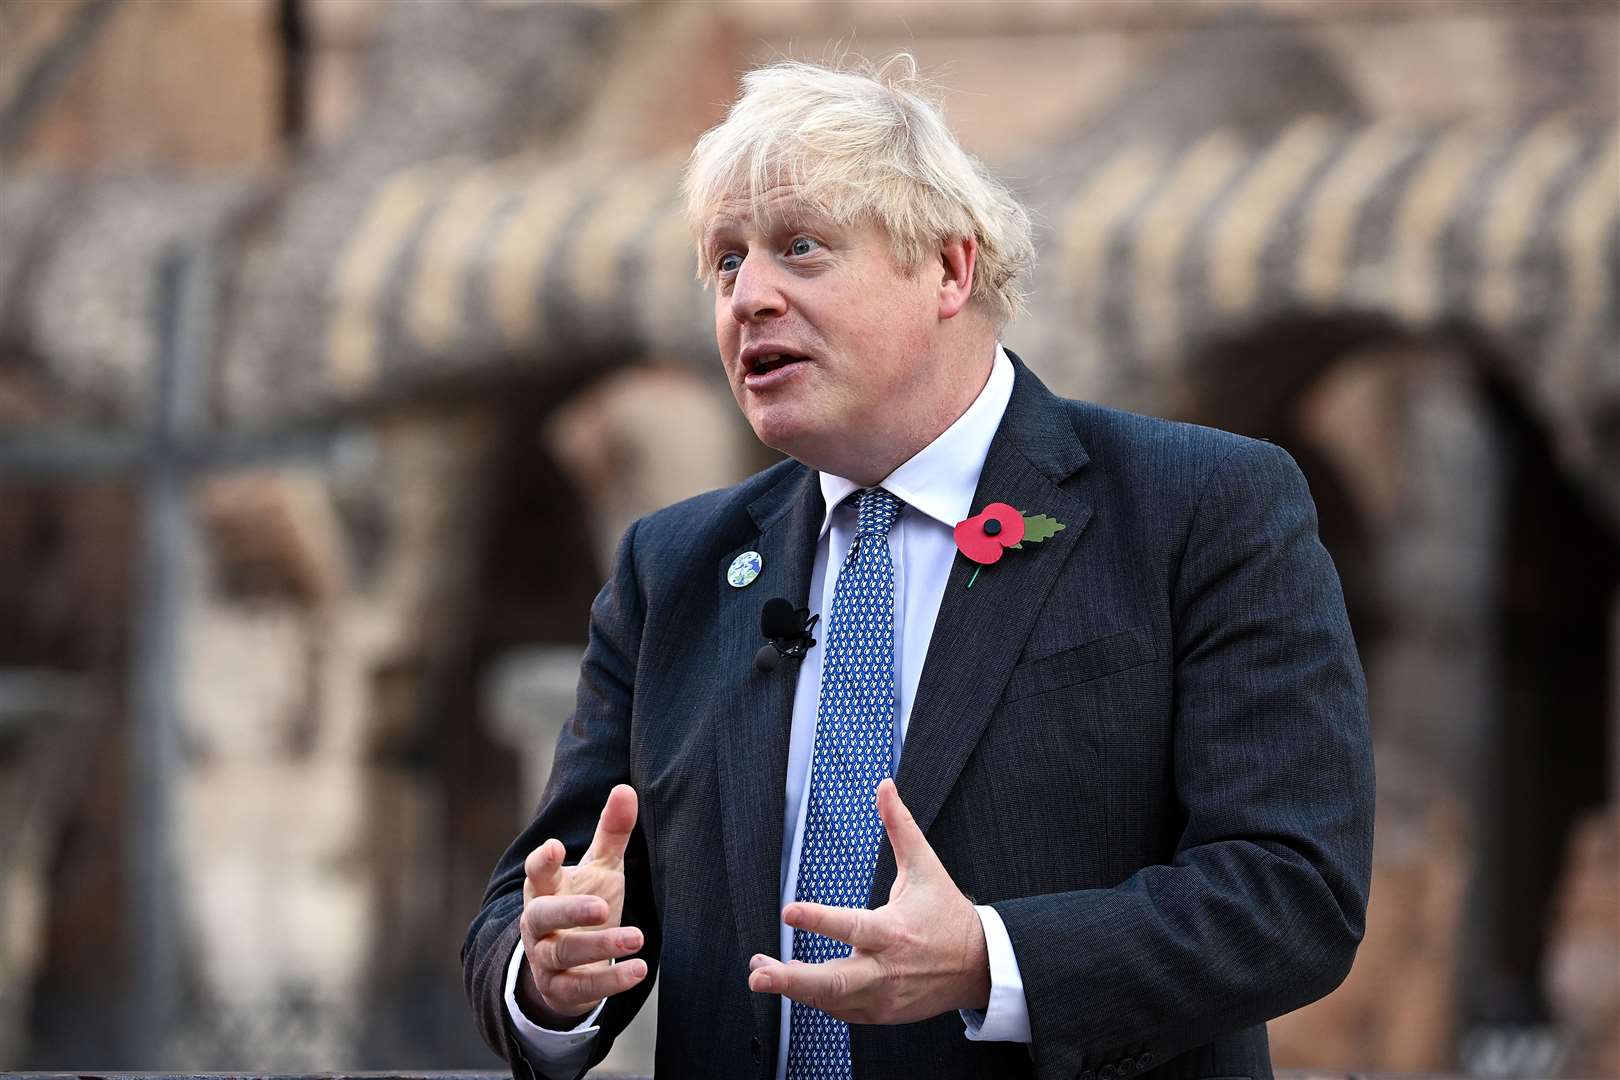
787 633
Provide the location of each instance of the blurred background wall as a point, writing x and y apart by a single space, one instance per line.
339 340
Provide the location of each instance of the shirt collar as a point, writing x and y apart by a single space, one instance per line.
939 480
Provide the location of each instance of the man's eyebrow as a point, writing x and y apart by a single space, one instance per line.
720 229
788 215
715 228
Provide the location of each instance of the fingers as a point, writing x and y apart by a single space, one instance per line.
577 990
558 952
542 870
910 846
547 914
613 829
760 970
855 926
568 964
833 987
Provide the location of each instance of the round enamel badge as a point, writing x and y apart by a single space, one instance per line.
744 569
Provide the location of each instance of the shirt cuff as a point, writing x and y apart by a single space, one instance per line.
1007 1018
553 1054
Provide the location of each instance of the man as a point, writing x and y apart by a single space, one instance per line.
1076 781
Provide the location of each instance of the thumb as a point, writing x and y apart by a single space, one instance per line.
613 829
911 849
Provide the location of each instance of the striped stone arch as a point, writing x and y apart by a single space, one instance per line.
1510 237
455 267
1155 248
1149 250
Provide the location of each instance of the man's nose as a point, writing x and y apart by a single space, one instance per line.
756 292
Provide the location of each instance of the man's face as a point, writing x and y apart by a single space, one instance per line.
824 338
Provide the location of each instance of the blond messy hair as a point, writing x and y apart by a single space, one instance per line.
862 142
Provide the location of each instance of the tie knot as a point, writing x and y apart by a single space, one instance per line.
875 512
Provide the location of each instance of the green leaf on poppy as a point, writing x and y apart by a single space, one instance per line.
1015 547
1038 527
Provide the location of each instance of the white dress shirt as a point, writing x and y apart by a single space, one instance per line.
937 486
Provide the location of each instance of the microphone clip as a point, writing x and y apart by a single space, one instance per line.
787 634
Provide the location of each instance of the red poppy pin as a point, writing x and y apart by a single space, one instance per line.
985 535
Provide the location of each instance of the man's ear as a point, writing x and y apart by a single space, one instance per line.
958 258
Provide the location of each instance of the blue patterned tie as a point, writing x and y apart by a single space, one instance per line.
854 746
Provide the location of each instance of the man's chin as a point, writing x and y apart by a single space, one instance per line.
790 436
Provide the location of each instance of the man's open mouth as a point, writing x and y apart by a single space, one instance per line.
773 361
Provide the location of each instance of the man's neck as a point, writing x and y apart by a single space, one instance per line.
962 380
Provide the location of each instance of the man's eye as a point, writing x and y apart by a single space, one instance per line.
729 262
801 245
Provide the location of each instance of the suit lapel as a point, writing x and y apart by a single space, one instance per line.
980 632
756 712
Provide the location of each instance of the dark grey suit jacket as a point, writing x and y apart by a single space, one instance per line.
1144 741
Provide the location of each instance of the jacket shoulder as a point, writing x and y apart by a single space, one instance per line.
1166 467
1110 431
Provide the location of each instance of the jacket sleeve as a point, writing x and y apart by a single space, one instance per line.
592 756
1262 906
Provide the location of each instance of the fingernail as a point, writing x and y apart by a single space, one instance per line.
630 940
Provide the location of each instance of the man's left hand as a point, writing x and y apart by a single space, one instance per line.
921 954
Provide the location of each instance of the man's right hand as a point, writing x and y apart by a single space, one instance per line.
570 923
